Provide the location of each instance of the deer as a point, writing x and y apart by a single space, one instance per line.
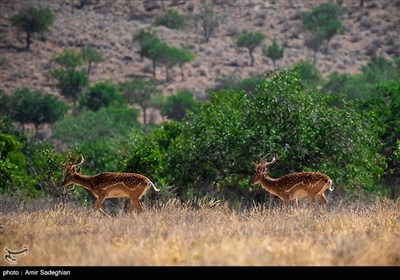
293 186
108 184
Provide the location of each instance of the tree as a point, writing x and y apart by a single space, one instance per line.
102 95
323 20
274 52
71 82
35 107
208 21
69 59
90 55
33 20
101 135
313 41
176 106
309 73
13 170
166 55
184 56
141 92
298 123
171 19
250 41
383 107
148 41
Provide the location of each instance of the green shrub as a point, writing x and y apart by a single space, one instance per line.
171 19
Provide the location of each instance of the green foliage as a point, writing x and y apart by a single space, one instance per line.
45 165
183 55
176 106
89 126
379 69
309 73
90 55
314 41
171 19
236 83
362 85
69 59
99 135
323 21
383 108
35 107
13 170
273 51
250 41
218 143
102 95
33 20
146 160
141 92
71 83
147 41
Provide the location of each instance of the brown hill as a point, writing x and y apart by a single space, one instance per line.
108 25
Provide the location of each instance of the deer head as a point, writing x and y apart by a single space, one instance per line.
71 170
262 169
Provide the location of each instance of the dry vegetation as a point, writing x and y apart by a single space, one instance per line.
207 233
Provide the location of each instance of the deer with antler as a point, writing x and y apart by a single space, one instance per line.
109 184
294 185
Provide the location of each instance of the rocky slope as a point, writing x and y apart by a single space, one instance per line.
108 25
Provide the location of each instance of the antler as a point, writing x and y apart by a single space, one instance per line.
274 159
79 165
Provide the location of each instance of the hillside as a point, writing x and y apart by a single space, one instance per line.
108 25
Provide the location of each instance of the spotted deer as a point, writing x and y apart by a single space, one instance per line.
294 185
109 184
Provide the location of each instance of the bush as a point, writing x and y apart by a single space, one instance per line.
171 19
102 95
175 106
216 146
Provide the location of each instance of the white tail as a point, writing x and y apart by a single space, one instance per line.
154 187
109 184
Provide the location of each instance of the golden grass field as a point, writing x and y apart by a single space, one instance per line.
212 234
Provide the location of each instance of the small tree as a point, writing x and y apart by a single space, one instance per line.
314 41
208 21
309 73
175 106
90 55
171 19
166 55
323 20
141 92
69 59
33 20
102 95
274 52
35 107
70 81
183 57
250 41
148 41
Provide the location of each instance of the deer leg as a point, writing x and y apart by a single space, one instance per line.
313 200
321 197
99 201
135 204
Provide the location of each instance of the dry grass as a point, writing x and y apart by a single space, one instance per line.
210 233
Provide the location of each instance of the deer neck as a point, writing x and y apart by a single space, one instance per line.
84 180
270 185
